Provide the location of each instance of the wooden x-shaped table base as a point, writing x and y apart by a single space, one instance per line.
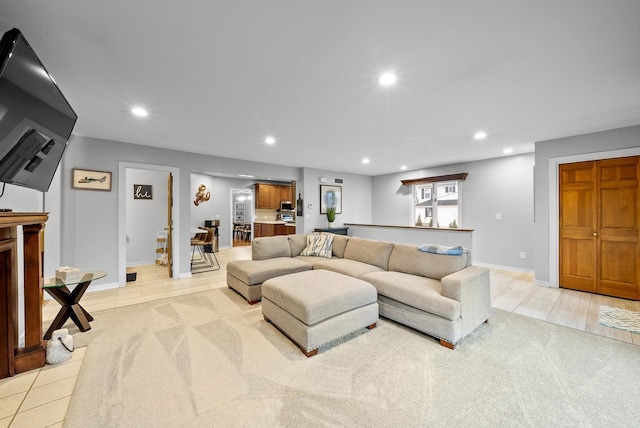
70 308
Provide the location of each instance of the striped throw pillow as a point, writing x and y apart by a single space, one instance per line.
319 244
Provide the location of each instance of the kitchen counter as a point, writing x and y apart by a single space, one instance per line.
272 228
274 222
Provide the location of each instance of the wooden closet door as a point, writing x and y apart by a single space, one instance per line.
618 228
578 226
600 227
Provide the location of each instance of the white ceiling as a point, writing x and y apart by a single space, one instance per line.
219 76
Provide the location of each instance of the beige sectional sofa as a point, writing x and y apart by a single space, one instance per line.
440 295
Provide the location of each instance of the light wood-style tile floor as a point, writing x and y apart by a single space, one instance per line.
40 398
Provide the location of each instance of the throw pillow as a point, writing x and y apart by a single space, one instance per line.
318 244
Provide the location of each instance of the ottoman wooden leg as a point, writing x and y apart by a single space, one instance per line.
372 326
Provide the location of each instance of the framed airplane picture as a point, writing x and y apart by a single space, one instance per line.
91 180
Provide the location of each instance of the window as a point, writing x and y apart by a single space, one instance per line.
437 201
425 192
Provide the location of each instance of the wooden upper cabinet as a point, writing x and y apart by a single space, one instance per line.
264 196
285 194
269 196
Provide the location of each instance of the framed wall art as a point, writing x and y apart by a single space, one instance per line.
330 196
91 180
142 191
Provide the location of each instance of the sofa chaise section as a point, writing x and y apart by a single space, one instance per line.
271 257
246 276
440 295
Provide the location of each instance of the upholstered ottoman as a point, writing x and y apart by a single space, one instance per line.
316 307
246 276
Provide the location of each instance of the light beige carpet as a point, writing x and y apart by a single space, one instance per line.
210 360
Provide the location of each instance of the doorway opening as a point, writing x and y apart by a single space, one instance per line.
145 234
242 215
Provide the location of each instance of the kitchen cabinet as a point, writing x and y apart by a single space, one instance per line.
257 230
286 194
268 229
280 229
269 196
261 230
266 196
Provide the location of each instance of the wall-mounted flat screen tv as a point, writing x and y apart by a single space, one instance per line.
35 118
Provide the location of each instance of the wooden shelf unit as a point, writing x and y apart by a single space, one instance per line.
15 359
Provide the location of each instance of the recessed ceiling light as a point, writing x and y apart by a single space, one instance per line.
139 111
270 140
480 135
388 79
507 150
245 175
365 160
403 167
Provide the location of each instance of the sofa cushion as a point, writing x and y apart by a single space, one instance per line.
416 291
347 267
312 260
318 244
339 245
254 272
369 251
270 247
297 243
408 259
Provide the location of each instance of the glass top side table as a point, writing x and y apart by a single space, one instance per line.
70 300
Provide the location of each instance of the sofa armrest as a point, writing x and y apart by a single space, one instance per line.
471 287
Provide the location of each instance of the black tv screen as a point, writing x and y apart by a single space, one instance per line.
35 118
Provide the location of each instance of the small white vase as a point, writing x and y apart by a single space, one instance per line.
330 224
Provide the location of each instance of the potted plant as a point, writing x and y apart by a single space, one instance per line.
331 215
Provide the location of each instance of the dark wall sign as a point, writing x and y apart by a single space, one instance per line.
142 191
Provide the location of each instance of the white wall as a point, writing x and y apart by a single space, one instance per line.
613 143
356 199
145 217
206 210
502 185
90 222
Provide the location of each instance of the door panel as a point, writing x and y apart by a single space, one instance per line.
618 208
577 225
618 228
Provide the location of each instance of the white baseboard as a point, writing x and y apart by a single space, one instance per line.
544 283
515 269
134 264
100 287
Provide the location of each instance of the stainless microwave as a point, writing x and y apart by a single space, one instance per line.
286 206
